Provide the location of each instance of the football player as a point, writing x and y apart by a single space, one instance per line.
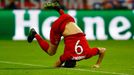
76 45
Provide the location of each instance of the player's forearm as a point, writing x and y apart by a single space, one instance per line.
101 56
58 64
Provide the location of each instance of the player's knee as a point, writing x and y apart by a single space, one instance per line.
52 53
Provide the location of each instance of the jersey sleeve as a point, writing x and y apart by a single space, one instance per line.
94 51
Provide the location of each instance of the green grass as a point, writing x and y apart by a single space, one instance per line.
22 58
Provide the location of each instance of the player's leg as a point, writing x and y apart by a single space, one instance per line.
48 48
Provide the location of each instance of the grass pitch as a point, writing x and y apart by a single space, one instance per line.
22 58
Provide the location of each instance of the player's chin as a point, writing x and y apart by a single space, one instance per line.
69 64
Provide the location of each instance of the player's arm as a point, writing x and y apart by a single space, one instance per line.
100 58
58 63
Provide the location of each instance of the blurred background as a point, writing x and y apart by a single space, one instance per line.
70 4
99 19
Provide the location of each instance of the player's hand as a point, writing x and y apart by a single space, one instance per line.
96 66
102 50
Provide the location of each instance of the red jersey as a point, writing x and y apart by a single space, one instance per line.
77 48
58 27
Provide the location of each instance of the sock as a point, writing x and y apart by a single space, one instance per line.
43 44
61 11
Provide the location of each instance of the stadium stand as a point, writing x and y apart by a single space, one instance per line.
70 4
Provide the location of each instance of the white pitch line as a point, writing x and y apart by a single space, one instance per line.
25 64
72 69
103 72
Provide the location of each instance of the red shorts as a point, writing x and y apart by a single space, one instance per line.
58 27
77 48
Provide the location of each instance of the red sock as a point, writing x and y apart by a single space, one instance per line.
61 12
43 44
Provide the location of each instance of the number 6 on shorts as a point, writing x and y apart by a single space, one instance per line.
78 46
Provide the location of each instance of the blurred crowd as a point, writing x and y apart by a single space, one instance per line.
70 4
